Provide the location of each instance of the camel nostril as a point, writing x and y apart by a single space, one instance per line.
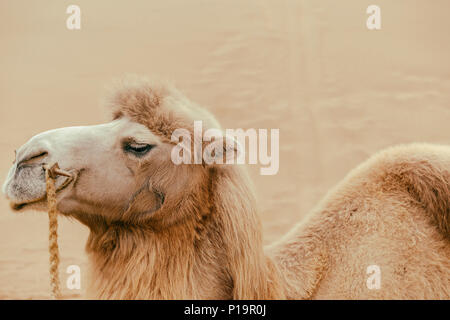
33 158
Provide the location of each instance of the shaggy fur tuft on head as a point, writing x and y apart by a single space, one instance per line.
157 105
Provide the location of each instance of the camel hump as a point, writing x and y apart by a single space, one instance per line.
423 170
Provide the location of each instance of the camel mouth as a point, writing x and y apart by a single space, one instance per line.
21 206
40 202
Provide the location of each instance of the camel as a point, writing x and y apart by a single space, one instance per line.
164 231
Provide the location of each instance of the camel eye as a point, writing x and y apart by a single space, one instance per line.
138 149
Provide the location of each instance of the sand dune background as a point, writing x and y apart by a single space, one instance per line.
337 91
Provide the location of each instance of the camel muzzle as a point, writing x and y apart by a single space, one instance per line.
26 185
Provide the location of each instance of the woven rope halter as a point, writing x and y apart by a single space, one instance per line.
51 173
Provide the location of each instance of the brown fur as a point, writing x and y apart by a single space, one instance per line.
392 212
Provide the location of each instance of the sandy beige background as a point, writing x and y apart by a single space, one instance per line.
337 91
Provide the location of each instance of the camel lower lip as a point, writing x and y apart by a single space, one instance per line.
17 207
20 206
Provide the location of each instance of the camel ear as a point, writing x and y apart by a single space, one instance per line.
219 149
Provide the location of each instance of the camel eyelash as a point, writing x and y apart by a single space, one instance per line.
137 149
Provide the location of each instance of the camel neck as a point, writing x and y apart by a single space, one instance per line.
215 254
137 263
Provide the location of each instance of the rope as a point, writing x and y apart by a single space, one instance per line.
53 231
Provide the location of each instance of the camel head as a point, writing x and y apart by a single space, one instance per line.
121 171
